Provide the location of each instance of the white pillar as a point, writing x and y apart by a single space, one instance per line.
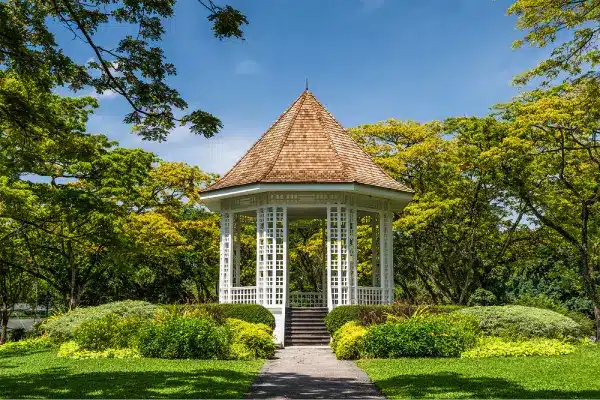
225 262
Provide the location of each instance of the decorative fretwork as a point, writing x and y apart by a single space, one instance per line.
305 198
306 299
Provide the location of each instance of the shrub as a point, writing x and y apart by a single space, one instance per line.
61 327
482 297
519 322
422 336
26 346
378 314
109 332
250 340
183 337
252 313
71 349
348 341
498 347
14 335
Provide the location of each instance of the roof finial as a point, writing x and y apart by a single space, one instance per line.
306 85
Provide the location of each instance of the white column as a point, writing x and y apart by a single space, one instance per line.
260 256
237 236
225 259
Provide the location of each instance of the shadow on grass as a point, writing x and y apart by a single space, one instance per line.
301 386
63 383
454 385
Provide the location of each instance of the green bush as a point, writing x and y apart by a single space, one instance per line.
252 313
71 349
61 327
519 322
250 341
421 336
493 346
109 332
185 337
25 346
378 314
348 341
482 297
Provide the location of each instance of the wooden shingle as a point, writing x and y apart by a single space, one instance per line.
306 145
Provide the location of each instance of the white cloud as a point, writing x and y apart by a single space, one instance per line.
247 67
107 94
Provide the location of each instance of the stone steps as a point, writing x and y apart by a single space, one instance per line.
306 327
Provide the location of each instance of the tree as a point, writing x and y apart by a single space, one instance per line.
456 231
134 67
575 21
550 159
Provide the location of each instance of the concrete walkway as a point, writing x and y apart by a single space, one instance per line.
311 372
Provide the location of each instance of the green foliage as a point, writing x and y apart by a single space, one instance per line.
26 346
493 346
183 337
482 297
378 314
62 327
348 341
424 336
250 341
71 349
519 322
253 313
109 332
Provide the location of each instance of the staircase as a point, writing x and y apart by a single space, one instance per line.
305 327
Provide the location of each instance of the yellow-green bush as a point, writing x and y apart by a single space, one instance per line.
348 341
493 346
71 349
26 346
250 340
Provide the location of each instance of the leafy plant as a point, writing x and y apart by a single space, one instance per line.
482 297
348 341
61 327
425 336
71 349
493 346
109 332
26 346
250 341
182 337
519 322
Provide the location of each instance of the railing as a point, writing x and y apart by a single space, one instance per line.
369 295
306 299
243 294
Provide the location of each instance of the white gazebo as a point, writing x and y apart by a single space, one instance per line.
306 166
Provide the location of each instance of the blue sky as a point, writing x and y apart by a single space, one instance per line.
366 60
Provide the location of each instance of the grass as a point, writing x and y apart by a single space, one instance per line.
570 376
44 375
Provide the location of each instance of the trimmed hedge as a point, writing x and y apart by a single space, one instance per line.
378 314
185 337
61 328
253 313
520 322
422 336
109 332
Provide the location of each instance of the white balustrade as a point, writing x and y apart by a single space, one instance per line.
306 299
243 294
369 295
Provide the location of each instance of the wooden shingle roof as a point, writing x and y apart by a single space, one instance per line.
306 145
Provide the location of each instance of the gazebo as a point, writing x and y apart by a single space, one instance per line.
306 166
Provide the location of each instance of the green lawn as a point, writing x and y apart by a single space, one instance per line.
44 375
572 376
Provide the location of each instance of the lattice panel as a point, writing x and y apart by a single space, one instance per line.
341 255
225 267
375 249
261 261
271 255
386 258
352 257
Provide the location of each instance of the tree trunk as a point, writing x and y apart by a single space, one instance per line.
597 318
4 322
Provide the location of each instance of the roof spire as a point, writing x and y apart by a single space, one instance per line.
306 88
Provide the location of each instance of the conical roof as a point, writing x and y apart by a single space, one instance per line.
306 145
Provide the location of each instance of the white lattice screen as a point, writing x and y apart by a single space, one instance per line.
271 255
341 255
386 257
225 264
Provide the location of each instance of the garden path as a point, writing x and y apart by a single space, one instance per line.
302 372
